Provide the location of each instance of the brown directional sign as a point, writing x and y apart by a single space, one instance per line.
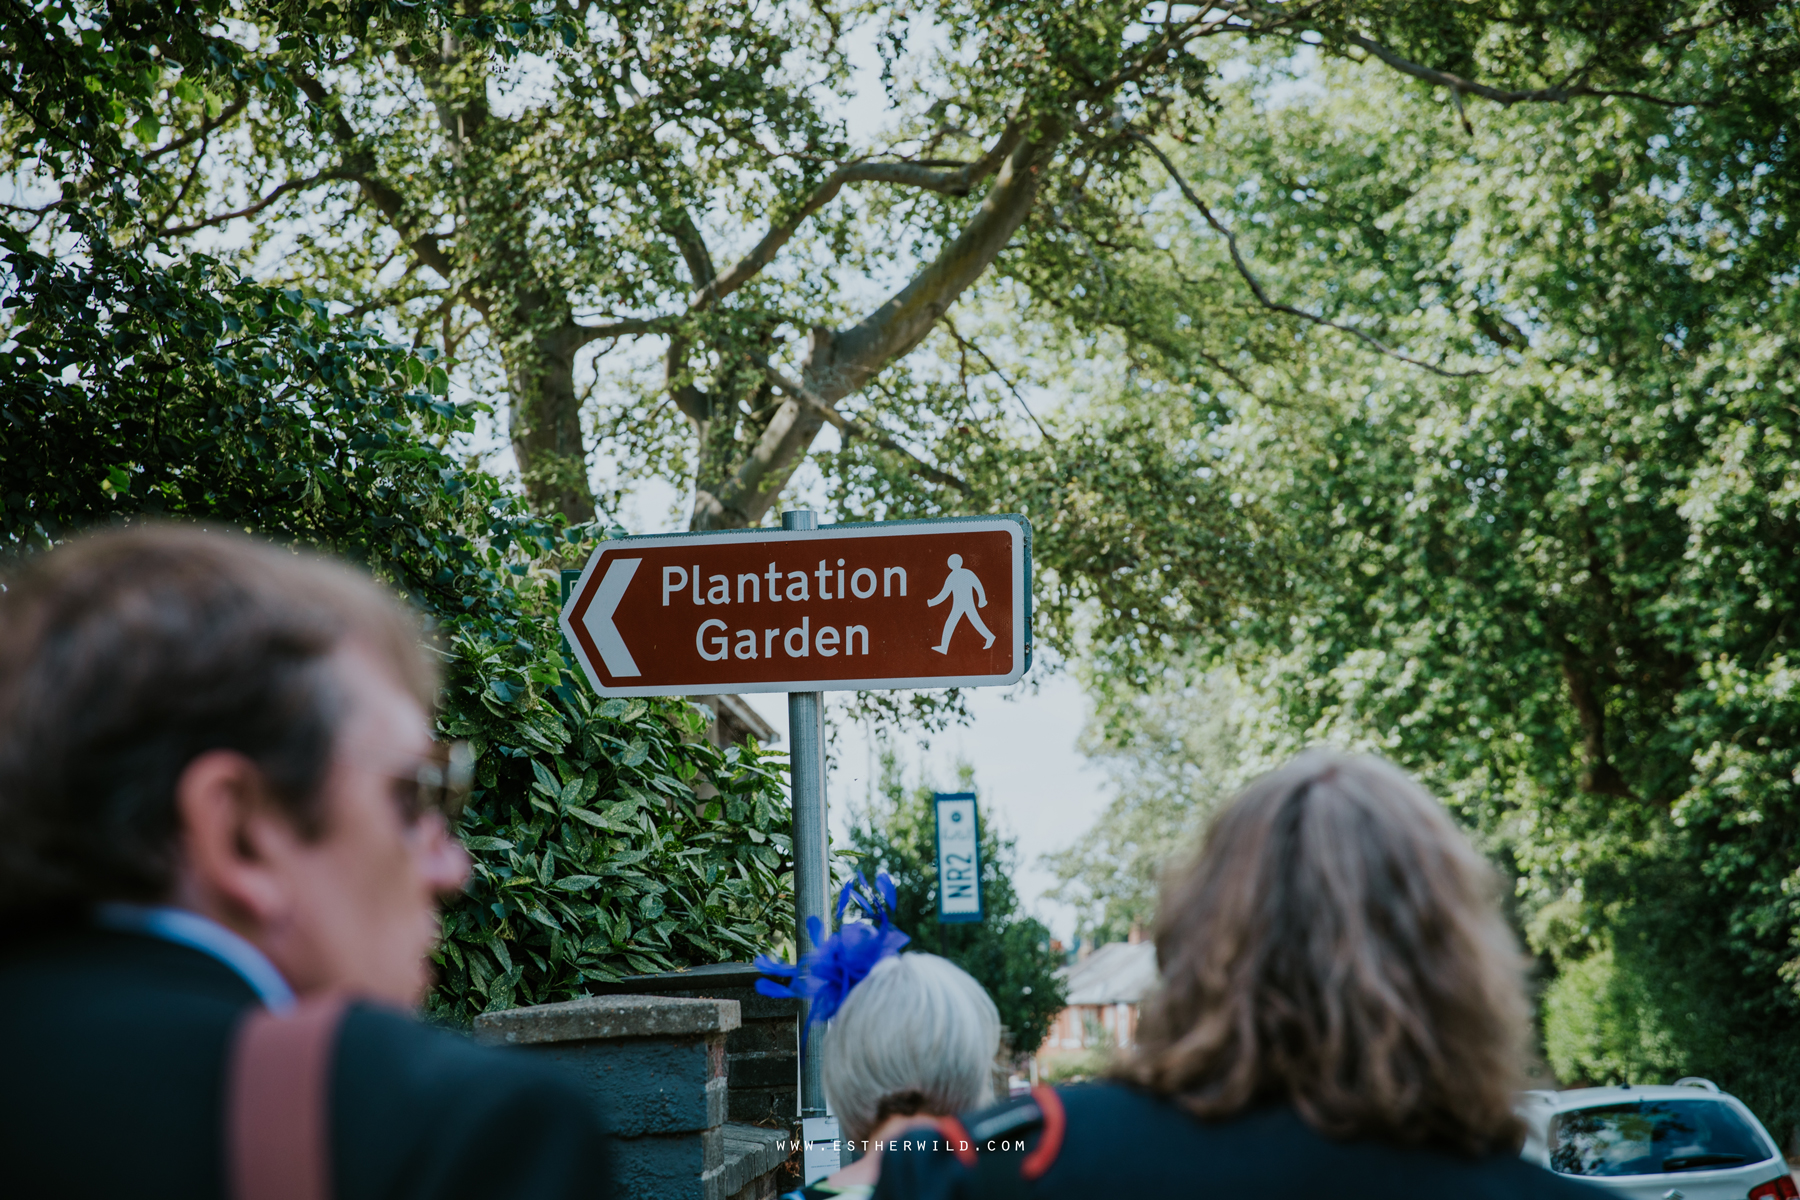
901 604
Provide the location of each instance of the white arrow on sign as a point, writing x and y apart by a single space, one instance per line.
599 616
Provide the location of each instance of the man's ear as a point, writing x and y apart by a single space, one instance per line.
235 841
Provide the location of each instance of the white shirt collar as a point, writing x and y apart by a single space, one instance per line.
200 933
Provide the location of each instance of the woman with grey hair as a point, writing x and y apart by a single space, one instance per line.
911 1038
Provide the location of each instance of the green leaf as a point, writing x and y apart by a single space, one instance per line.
592 818
543 780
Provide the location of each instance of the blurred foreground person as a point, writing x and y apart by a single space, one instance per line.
911 1038
222 819
1341 1012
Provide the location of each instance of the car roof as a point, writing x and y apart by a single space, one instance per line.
1590 1097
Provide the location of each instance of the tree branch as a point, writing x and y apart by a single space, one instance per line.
630 327
840 363
857 353
186 184
679 224
220 218
966 344
1202 25
850 427
206 128
1602 777
1256 287
957 182
1501 96
380 193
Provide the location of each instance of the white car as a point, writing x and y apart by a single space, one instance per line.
1686 1142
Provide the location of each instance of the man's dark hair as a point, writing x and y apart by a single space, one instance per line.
125 655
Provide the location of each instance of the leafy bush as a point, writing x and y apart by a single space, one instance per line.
609 839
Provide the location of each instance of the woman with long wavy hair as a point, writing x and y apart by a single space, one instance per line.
1341 1012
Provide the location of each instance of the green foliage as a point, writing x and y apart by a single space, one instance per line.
598 856
184 390
1007 952
1173 754
1603 1025
91 87
130 390
608 840
419 139
1554 568
1133 551
527 186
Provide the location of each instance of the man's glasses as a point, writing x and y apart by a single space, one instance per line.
441 784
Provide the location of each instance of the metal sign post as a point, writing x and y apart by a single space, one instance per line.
812 869
805 610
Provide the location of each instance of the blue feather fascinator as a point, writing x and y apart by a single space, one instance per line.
824 977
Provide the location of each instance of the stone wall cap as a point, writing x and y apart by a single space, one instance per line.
690 978
594 1018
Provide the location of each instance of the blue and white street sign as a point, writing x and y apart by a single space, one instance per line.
958 858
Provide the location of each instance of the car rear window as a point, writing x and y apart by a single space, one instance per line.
1649 1137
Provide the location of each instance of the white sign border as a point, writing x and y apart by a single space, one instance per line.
1014 523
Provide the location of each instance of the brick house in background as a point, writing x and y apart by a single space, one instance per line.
1105 988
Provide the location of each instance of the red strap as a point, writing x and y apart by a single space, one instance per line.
1055 1121
277 1132
957 1138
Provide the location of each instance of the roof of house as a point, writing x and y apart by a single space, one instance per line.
1116 973
735 720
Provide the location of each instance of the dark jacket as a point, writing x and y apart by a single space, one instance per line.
1120 1142
112 1079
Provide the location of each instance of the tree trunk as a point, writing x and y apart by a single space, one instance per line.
532 324
1599 776
546 422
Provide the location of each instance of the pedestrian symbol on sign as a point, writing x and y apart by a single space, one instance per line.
962 587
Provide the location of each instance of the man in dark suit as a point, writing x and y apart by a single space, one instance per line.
219 794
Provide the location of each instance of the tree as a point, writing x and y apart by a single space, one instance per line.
1174 754
1007 952
608 839
667 173
1542 464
